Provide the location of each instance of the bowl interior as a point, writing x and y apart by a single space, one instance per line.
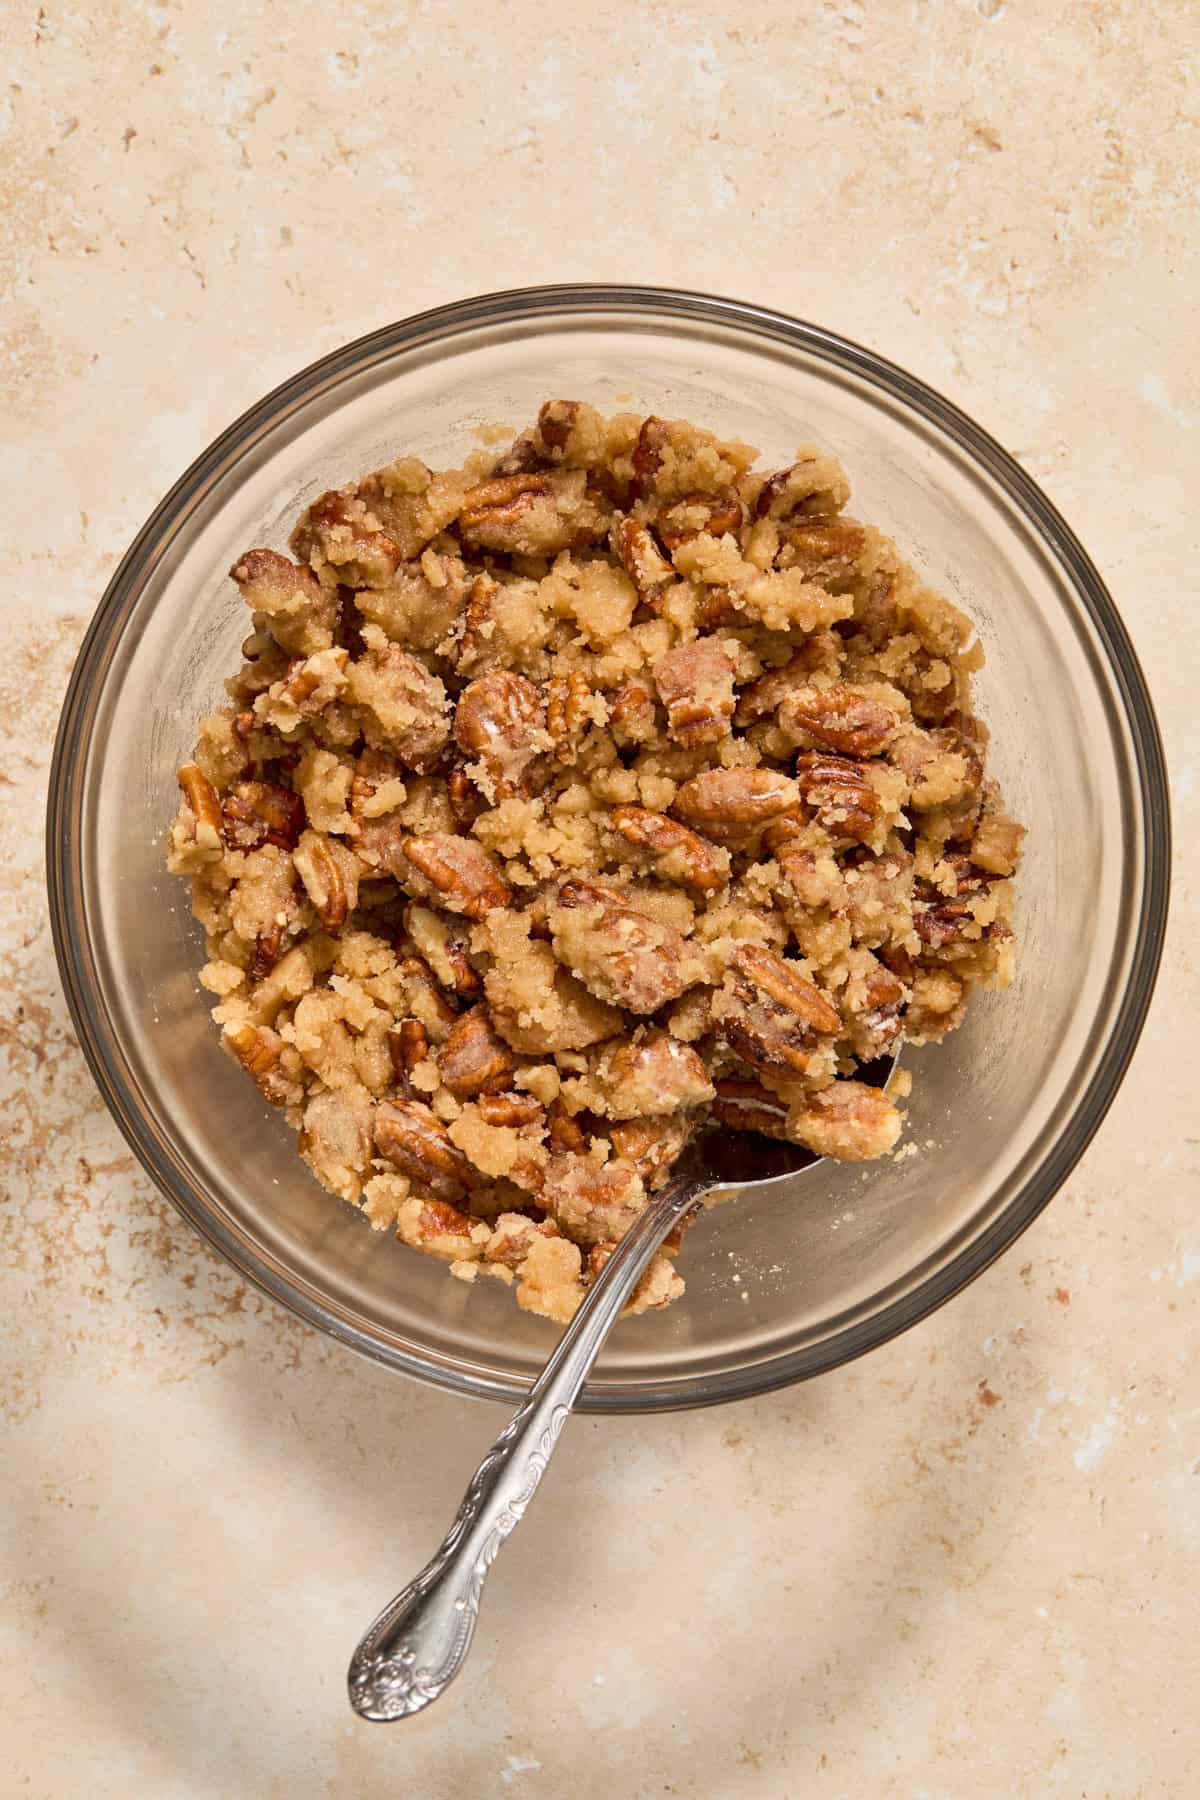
777 1286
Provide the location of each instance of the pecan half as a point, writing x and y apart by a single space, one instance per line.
711 514
639 555
258 812
473 1059
258 1050
837 794
413 1139
500 723
695 684
774 1015
748 1106
676 853
438 1229
837 718
459 872
567 717
442 947
319 864
763 698
620 954
731 805
531 515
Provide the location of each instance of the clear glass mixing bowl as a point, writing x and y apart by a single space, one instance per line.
1000 1113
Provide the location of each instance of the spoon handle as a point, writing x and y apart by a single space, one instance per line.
417 1645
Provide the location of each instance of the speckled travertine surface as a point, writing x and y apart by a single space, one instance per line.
966 1566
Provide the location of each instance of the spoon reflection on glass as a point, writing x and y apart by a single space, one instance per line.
419 1642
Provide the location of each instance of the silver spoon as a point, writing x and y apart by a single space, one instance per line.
419 1642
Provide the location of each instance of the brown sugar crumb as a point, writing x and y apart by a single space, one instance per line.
601 791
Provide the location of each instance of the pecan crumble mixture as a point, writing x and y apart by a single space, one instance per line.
570 800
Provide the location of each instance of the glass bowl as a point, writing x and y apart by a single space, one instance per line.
778 1288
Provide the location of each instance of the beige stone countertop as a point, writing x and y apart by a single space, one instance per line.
965 1566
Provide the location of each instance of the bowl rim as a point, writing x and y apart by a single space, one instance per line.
754 323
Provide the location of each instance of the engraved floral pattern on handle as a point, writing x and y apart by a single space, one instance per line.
385 1679
419 1642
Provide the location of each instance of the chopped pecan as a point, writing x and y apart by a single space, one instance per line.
731 805
631 714
531 515
413 1139
565 1132
258 812
309 686
748 1106
201 798
763 698
473 1059
639 555
942 767
594 1204
264 956
653 1146
404 707
299 613
500 722
567 716
438 1229
996 846
837 793
676 853
439 942
513 1110
712 514
555 422
426 997
459 872
408 1045
340 533
837 718
523 457
814 486
848 1121
695 684
647 456
466 801
941 919
512 1236
326 869
478 625
822 549
873 1003
654 1074
620 954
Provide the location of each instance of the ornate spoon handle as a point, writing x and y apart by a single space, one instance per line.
419 1642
